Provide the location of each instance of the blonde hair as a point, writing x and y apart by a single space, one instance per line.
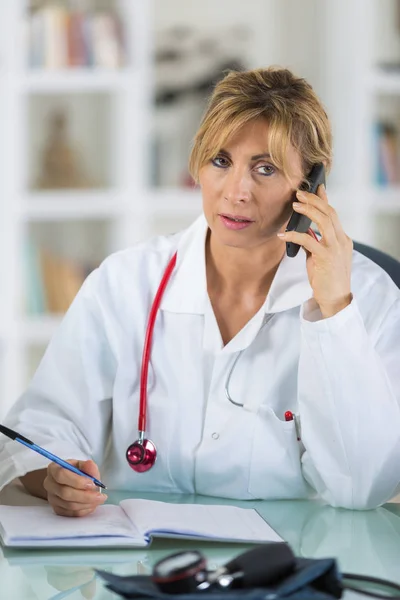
289 105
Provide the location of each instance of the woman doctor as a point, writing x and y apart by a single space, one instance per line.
242 334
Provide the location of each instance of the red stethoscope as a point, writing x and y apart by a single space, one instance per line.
142 454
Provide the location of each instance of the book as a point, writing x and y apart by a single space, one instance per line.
76 42
58 38
132 523
106 46
55 42
36 31
387 154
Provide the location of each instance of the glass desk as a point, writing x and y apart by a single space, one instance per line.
363 542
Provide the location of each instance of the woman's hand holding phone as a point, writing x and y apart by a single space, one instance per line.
329 260
73 495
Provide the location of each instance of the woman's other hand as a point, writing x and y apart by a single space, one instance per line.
73 495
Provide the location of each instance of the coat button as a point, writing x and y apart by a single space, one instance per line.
215 435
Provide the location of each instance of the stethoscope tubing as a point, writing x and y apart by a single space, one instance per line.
228 379
147 346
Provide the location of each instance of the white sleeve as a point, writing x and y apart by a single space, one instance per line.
349 406
67 406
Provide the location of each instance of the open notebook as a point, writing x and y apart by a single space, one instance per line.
132 523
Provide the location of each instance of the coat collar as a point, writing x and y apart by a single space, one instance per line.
187 289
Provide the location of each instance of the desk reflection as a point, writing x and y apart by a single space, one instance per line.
365 542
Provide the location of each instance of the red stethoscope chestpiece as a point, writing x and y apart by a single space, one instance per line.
141 455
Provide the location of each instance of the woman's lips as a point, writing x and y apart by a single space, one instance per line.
235 222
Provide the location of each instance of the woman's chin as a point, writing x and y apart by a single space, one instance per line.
245 239
233 239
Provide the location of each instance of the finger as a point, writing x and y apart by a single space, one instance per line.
320 199
57 501
321 193
72 513
321 202
70 494
65 477
304 240
89 467
324 223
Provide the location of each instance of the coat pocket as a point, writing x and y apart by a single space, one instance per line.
275 463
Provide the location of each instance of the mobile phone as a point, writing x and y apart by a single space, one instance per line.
298 222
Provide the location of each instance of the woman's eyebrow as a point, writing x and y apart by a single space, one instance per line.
258 156
255 157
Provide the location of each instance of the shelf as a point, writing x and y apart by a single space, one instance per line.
76 80
386 200
68 205
385 81
169 201
38 330
81 204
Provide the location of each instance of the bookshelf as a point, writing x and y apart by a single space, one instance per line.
339 46
382 88
110 112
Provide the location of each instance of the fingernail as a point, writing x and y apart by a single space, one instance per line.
90 486
297 205
281 235
301 194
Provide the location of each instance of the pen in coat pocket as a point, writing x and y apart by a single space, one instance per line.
59 461
289 416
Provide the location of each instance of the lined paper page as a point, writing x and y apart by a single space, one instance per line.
40 523
211 521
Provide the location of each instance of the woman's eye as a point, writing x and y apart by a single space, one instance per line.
265 170
220 161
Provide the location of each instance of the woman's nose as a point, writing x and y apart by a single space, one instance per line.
237 187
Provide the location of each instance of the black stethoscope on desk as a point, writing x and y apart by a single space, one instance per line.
142 454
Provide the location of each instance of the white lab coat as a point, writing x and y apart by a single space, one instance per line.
340 375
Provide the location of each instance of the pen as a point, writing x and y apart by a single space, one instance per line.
289 416
23 440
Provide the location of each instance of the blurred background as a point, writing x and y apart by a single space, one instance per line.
99 103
